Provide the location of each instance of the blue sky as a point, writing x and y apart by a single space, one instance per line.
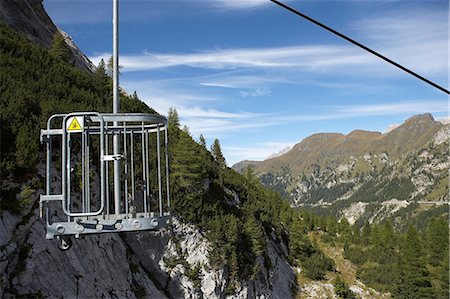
260 78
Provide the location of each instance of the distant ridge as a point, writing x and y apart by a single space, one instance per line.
413 133
364 175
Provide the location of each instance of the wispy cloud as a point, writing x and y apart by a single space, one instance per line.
304 57
230 80
413 38
258 92
238 4
409 107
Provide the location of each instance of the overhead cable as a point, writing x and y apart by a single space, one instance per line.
360 45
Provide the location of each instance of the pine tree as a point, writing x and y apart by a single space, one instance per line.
202 141
173 119
414 279
256 234
59 49
101 68
437 240
216 151
342 290
135 96
110 67
173 122
187 175
186 130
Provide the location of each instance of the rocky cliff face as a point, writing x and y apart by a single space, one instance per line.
125 266
364 176
30 18
172 263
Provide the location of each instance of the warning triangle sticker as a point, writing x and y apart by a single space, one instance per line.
74 125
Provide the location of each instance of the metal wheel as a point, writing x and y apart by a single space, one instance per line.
64 243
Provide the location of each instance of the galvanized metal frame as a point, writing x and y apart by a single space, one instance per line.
127 128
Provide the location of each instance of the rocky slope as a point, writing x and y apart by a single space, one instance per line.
364 175
30 18
172 263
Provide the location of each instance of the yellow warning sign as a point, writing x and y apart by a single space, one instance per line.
75 124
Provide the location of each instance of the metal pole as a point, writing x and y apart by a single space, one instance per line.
116 107
159 172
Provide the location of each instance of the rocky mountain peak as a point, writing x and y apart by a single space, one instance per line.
30 18
420 118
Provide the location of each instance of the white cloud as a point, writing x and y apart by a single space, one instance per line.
239 4
318 58
230 80
255 92
409 107
416 39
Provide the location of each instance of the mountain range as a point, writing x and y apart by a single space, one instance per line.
363 175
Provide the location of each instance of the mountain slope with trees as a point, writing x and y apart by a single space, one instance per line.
247 227
365 176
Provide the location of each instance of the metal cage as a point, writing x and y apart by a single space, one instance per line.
81 151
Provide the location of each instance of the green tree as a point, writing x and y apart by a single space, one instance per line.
101 68
173 119
202 141
254 230
437 240
186 130
110 67
414 281
216 151
59 49
342 290
173 122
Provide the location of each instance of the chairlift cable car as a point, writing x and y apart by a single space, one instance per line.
112 178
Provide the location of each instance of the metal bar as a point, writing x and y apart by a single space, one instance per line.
147 172
144 184
102 167
83 165
48 177
115 57
166 141
87 176
116 105
125 153
52 197
117 186
135 128
132 170
159 173
107 169
68 173
49 132
133 117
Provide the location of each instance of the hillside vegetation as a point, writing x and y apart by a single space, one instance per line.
406 263
236 214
